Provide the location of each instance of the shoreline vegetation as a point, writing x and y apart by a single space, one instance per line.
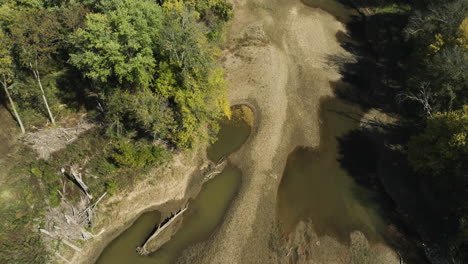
207 204
144 74
176 184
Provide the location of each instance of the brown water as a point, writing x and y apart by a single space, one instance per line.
205 212
315 187
200 220
231 136
203 216
122 249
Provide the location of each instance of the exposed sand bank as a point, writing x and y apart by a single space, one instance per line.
276 60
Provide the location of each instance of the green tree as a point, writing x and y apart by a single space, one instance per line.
197 88
438 75
441 82
143 110
183 40
117 49
448 71
154 69
38 35
6 72
119 43
442 147
442 17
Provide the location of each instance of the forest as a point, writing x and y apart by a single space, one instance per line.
143 71
417 53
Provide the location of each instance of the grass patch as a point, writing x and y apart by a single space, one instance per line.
21 209
394 8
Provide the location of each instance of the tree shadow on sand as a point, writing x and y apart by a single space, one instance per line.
376 70
372 154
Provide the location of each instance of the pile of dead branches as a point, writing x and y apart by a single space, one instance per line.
71 221
49 140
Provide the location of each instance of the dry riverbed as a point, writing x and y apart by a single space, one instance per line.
276 60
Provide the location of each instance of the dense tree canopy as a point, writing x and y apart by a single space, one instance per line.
6 61
158 61
149 69
440 63
442 148
119 43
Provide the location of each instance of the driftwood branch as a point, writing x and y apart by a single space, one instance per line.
216 170
66 242
62 257
89 211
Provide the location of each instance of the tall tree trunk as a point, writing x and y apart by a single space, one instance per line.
38 79
5 86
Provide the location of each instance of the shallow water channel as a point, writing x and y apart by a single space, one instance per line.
315 187
204 213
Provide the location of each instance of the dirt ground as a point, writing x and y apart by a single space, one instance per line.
276 60
8 133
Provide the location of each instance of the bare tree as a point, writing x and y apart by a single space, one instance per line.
37 36
35 71
445 16
423 96
4 82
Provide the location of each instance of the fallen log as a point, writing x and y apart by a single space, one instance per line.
143 250
66 242
62 257
216 170
76 176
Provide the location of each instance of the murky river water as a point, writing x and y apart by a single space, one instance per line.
232 134
205 212
315 187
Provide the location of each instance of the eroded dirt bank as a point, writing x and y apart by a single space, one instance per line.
169 186
276 60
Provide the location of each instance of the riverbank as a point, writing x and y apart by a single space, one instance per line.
164 189
276 60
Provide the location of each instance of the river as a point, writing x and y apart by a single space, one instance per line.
321 190
289 171
205 211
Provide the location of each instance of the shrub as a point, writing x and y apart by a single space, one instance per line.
138 154
112 186
45 173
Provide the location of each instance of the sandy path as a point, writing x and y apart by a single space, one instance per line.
275 61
